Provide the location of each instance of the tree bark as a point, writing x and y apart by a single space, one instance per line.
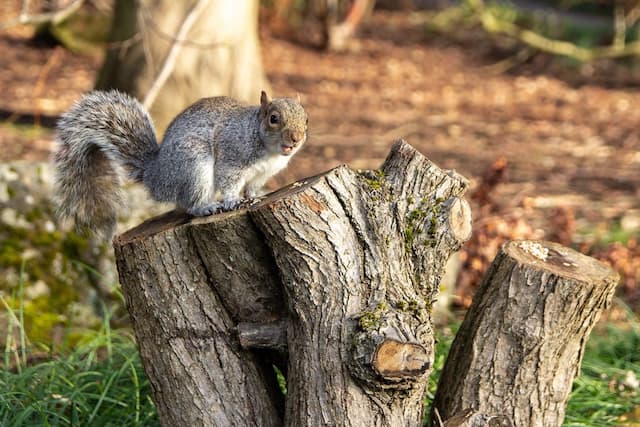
349 261
185 299
220 55
521 343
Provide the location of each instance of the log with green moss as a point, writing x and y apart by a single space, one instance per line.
339 270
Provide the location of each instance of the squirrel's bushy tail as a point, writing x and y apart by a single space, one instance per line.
103 138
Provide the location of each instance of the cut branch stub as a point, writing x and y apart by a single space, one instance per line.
395 359
393 348
520 345
263 336
471 418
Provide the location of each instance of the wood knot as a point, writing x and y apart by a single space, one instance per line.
395 359
392 348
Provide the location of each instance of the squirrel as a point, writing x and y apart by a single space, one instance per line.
214 154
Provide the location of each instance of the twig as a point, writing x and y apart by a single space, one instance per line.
437 416
124 44
506 64
633 15
340 33
619 24
54 17
145 41
170 59
25 8
494 25
148 20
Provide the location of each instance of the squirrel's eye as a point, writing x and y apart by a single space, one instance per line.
274 119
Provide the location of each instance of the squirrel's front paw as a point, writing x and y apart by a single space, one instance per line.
231 204
205 210
213 208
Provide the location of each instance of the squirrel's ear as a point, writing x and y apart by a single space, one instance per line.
264 104
298 98
264 99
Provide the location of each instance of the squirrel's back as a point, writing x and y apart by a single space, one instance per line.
210 113
104 136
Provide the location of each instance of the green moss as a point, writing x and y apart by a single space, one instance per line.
10 253
428 305
370 320
11 192
415 219
50 260
34 215
376 185
74 245
375 179
411 306
27 131
83 32
408 238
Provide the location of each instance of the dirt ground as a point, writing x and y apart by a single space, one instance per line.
570 139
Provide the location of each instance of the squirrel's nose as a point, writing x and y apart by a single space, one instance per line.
296 136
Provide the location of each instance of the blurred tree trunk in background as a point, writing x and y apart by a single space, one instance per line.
220 54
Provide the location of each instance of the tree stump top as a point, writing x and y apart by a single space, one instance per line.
560 261
170 220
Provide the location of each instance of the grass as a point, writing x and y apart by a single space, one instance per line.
98 382
604 393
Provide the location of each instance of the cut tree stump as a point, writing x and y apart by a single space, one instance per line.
521 343
337 273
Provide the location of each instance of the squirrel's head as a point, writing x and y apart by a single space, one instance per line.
283 124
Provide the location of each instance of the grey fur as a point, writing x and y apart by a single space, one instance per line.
214 153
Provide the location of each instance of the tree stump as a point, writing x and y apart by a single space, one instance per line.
340 270
521 343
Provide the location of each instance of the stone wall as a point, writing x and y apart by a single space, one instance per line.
59 277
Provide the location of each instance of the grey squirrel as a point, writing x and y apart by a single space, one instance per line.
215 153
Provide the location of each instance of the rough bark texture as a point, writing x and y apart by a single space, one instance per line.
521 343
185 300
471 418
220 56
359 256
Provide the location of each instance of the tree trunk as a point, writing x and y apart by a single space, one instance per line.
521 343
219 56
185 290
359 257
